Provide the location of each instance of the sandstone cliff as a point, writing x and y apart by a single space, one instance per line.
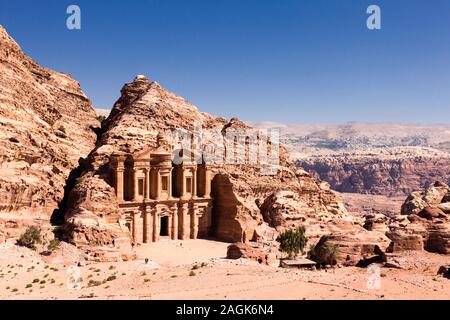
241 193
391 172
47 125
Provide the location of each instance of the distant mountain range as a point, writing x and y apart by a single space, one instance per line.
377 158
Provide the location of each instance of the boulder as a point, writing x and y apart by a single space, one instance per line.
247 251
403 241
358 244
431 212
376 222
419 200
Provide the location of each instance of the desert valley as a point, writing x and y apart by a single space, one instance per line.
92 205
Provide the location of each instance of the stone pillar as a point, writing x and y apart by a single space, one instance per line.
207 183
148 226
156 225
175 222
194 223
158 185
119 182
169 191
194 182
147 184
184 222
134 232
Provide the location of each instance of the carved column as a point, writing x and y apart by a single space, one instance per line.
175 222
194 182
134 233
184 222
194 223
147 184
207 183
158 185
119 182
148 226
169 179
156 225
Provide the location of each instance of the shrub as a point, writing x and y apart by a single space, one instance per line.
94 283
53 245
111 278
192 273
293 241
30 238
324 253
14 140
62 129
29 286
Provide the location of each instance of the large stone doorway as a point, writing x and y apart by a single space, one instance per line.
164 227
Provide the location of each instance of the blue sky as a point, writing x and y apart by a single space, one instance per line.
287 61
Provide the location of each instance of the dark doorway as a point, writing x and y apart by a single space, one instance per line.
164 231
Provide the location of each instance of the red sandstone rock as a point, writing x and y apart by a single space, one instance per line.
431 212
246 251
144 110
402 241
46 126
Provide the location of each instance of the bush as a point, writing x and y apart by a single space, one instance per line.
30 238
324 253
62 129
293 241
111 278
54 244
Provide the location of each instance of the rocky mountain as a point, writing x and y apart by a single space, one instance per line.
249 200
385 159
46 125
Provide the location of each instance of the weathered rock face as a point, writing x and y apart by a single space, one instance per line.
357 243
47 125
143 111
431 197
395 173
424 220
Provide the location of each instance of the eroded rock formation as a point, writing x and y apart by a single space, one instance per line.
47 125
426 226
240 192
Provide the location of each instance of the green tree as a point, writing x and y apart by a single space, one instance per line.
293 241
30 238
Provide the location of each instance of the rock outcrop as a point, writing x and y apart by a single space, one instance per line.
427 226
245 198
47 125
246 251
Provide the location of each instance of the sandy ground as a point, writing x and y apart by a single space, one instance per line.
197 270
